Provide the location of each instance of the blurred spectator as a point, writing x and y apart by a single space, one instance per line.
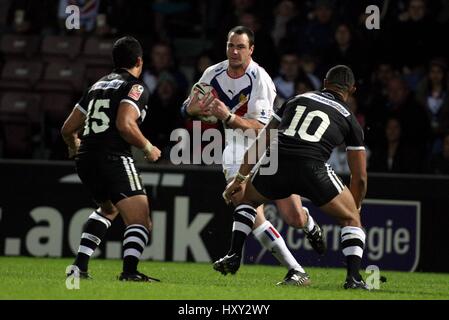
345 51
203 61
317 36
88 13
125 17
416 35
230 17
375 93
286 12
308 64
28 16
402 104
339 161
163 113
266 53
395 154
432 93
289 70
303 85
439 163
291 76
354 107
162 60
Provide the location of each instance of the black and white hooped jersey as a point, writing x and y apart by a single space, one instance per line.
314 123
100 104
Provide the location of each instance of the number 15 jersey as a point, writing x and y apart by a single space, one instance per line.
100 105
314 123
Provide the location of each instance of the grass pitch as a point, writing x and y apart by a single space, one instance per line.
37 278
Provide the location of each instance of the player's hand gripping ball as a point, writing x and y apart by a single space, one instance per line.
203 90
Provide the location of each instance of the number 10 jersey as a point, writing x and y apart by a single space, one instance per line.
314 123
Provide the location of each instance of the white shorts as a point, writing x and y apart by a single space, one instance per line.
232 159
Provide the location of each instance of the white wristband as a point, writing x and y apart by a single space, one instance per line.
241 178
148 147
230 118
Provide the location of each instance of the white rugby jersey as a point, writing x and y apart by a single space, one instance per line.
250 96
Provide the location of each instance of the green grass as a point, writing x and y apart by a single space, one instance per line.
36 278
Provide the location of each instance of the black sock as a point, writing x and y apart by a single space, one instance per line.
244 217
352 243
135 240
353 267
94 231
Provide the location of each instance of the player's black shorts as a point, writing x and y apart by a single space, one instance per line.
109 177
313 179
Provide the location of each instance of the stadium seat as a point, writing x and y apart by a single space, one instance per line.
20 75
63 77
56 107
60 48
97 52
21 121
14 46
20 106
93 74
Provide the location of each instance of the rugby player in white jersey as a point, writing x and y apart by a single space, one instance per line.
246 95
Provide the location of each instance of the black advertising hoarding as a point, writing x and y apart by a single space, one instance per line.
43 207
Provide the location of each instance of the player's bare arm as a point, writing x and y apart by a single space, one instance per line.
359 177
221 111
129 130
70 129
237 184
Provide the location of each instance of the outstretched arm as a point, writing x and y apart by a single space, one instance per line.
359 177
246 167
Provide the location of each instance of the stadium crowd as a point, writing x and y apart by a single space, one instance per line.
402 100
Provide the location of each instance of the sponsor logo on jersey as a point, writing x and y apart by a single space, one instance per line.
135 92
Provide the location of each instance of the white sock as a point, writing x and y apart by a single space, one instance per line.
310 222
270 239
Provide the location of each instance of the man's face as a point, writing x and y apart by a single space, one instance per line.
397 91
161 57
238 50
290 66
393 130
417 10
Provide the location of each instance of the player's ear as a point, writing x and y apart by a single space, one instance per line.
352 90
139 62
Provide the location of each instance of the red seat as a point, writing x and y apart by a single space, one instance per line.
21 120
21 74
16 45
97 52
63 77
93 74
61 48
21 107
56 107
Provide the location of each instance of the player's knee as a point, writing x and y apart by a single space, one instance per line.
351 219
108 210
295 220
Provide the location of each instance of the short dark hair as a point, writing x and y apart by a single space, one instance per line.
125 52
341 76
243 30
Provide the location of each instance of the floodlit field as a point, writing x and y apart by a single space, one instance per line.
36 278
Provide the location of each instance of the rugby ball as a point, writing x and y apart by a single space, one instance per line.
203 90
